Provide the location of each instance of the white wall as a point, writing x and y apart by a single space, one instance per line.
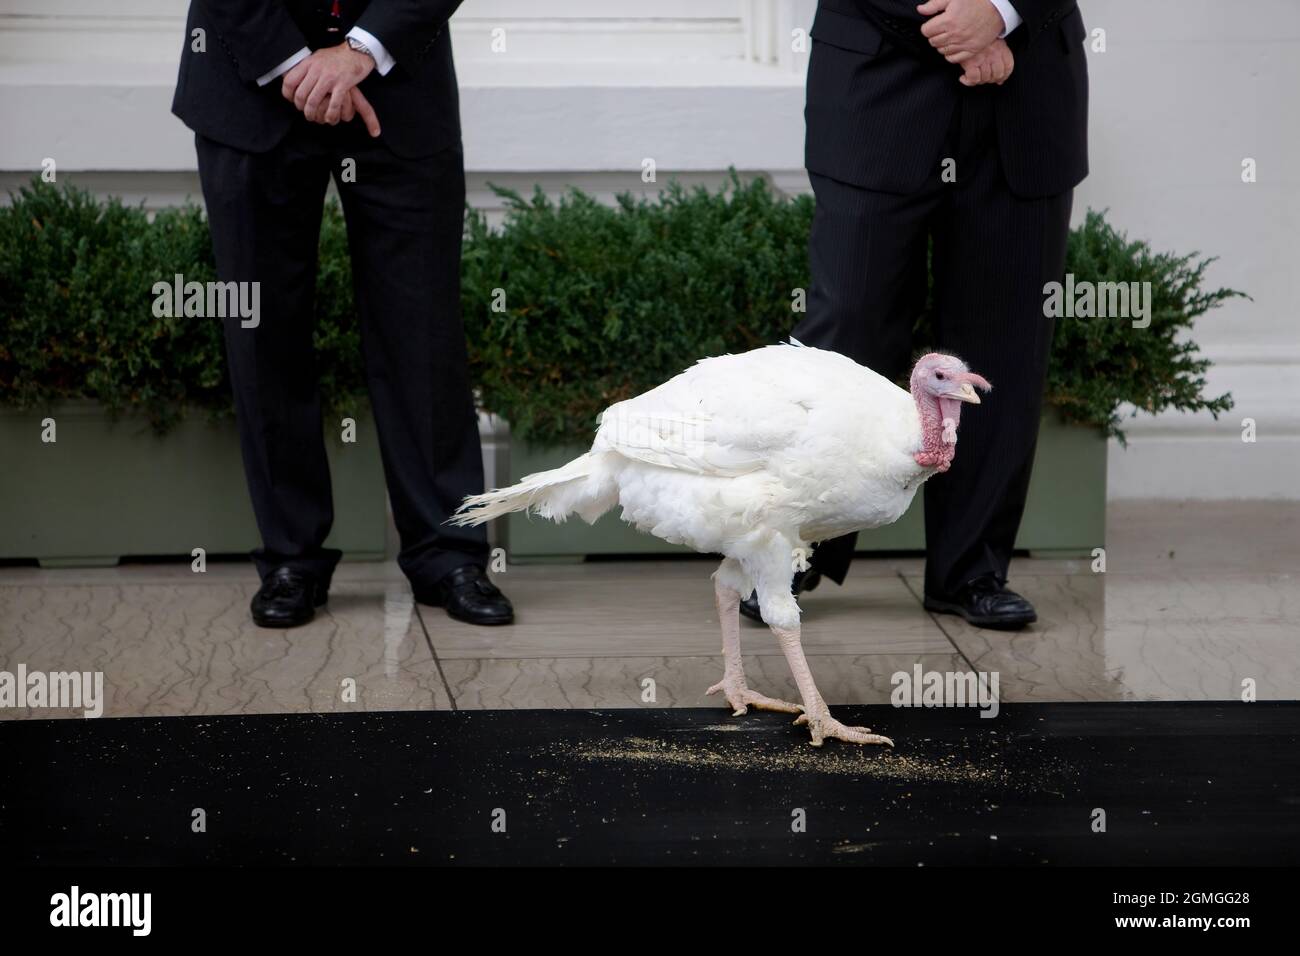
1183 92
582 95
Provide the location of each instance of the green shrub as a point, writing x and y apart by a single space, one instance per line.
76 309
604 303
601 303
1100 365
75 301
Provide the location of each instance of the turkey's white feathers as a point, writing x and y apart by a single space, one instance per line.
774 448
732 414
581 486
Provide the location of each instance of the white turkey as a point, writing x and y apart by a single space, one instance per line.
757 456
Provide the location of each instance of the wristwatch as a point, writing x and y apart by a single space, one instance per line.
355 44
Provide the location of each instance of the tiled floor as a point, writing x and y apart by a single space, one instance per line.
1196 599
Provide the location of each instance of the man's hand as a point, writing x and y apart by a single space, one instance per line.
993 64
961 29
357 105
320 85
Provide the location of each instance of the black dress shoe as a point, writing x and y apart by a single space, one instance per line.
469 596
986 602
802 581
288 597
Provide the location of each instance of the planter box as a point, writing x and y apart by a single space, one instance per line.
1065 515
108 490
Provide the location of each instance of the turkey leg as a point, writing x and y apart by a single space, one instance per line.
733 685
816 714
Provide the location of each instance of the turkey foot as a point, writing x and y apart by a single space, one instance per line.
740 697
823 725
733 685
816 715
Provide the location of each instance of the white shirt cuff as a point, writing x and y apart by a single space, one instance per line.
284 67
383 59
1010 18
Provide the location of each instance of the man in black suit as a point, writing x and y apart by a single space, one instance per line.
958 126
282 95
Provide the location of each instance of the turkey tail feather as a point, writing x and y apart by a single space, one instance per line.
584 486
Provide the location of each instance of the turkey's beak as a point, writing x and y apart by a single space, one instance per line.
969 382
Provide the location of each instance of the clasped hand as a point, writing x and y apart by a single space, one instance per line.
967 32
323 87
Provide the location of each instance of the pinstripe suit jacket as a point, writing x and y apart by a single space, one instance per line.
881 100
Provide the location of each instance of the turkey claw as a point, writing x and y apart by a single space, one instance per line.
741 698
824 725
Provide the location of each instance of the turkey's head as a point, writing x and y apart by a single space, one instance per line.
940 385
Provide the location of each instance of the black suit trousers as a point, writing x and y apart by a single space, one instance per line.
405 220
992 253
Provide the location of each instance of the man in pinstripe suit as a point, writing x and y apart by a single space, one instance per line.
285 96
919 138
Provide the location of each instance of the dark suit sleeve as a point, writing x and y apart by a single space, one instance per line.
259 34
406 27
1037 13
900 21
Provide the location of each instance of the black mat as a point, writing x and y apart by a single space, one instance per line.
1179 784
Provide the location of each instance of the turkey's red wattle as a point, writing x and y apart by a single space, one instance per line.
939 420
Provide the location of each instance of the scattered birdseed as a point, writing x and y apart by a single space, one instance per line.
721 728
841 760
